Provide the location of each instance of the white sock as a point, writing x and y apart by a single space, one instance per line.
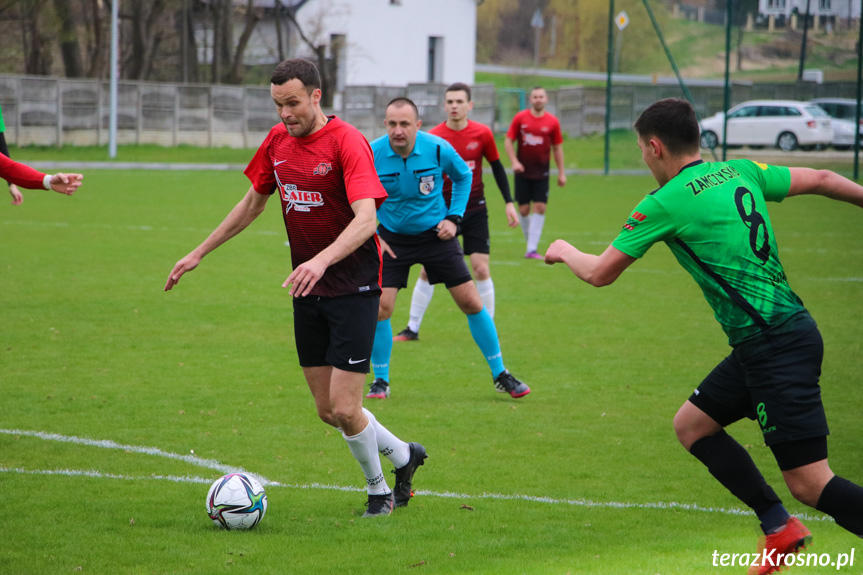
420 300
536 223
364 447
486 292
390 446
524 221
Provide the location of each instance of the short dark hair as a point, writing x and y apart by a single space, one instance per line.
459 87
297 69
535 88
673 122
402 101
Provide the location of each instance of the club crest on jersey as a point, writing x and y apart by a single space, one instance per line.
426 185
322 169
300 200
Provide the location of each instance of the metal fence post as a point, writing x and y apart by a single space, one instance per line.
176 123
140 108
245 117
211 102
59 113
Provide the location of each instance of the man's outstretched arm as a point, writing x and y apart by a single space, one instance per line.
598 271
825 183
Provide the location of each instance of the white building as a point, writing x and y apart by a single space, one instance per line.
396 42
375 42
841 9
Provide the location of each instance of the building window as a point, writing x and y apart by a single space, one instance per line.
395 2
776 4
824 5
435 60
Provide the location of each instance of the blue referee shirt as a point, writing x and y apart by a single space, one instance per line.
415 184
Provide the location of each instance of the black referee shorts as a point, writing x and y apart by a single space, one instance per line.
773 379
443 259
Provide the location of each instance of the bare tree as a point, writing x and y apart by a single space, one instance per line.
278 8
236 72
70 48
37 53
222 33
188 46
324 68
146 33
96 18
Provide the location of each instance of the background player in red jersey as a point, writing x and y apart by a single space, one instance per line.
324 172
473 142
26 177
538 135
17 198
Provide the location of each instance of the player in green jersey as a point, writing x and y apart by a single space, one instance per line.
713 217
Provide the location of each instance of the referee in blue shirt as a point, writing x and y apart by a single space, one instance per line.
417 227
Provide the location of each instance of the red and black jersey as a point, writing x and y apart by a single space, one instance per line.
473 143
535 136
318 177
20 174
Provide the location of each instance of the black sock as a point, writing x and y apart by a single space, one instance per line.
732 466
843 501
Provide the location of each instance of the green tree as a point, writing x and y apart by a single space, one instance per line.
582 33
490 16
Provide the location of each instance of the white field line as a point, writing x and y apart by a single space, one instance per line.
130 228
223 468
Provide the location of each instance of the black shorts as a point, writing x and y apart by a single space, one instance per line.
773 379
527 191
443 260
336 331
474 233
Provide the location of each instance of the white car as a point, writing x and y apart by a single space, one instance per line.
842 115
787 124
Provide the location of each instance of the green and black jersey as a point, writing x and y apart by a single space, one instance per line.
714 218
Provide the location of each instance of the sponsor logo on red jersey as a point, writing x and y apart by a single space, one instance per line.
300 200
322 169
472 145
532 140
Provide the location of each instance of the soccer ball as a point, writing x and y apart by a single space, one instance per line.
236 501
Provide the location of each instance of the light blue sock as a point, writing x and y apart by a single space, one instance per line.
485 335
382 350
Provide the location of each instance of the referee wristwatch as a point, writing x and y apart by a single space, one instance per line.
454 218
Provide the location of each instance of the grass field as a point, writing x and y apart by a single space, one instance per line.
583 155
583 476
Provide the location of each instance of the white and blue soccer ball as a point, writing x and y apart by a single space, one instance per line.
236 501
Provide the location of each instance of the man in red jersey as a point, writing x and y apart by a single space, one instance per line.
473 142
538 135
323 170
23 175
